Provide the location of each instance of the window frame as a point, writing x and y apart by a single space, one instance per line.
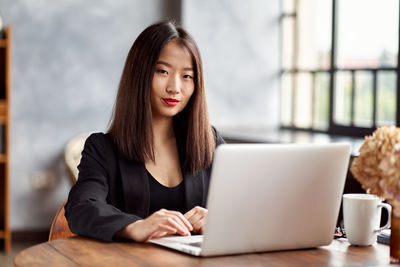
335 128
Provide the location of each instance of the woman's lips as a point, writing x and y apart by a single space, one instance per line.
171 101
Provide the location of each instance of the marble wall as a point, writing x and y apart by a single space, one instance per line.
67 59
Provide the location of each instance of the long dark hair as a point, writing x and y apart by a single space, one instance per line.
131 126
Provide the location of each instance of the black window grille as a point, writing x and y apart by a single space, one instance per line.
351 98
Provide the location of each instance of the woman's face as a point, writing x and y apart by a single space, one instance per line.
173 81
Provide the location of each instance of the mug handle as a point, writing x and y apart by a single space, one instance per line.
389 209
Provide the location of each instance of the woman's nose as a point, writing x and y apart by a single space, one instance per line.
174 85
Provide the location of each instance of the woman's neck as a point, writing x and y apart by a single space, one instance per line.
163 130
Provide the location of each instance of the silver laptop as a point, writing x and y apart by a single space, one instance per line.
269 197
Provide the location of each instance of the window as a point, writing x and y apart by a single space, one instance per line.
340 72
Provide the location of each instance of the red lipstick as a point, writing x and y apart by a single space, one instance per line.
171 101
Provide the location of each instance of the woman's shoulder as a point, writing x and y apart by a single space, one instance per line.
100 142
100 138
217 137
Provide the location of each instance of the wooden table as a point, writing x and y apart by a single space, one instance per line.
80 251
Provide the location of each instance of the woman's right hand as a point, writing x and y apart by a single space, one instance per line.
157 225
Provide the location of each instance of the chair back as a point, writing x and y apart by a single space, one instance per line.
59 227
73 154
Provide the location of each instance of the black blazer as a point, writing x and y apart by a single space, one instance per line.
113 191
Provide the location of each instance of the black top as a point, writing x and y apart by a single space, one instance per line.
113 191
163 197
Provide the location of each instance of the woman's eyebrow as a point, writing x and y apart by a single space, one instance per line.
170 66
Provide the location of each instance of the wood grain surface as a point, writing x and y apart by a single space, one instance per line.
81 251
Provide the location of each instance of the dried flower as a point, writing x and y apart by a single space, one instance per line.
377 167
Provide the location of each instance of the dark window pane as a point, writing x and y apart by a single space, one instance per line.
342 95
363 102
367 33
386 102
314 34
321 104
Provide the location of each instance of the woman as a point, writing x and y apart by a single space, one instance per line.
149 175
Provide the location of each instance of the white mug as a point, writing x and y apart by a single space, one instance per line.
362 216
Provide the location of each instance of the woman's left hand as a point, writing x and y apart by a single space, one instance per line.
197 218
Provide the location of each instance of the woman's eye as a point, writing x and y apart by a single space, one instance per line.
162 71
187 76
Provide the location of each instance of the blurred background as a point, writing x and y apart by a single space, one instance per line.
325 67
67 58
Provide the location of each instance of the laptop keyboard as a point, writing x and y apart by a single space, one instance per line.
194 244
